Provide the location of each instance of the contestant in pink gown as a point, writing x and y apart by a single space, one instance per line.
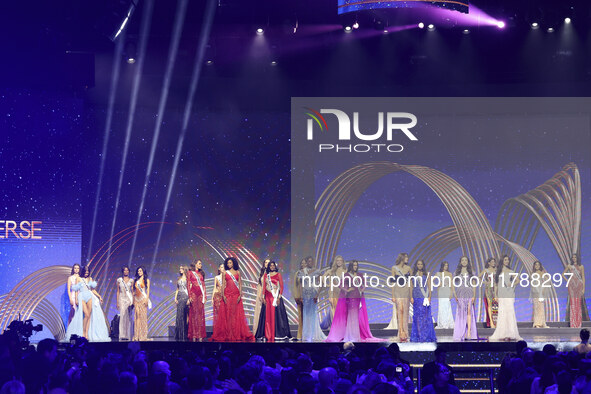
350 322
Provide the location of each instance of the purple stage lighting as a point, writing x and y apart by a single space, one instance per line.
260 30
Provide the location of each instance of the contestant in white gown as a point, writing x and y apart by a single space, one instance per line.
445 317
506 322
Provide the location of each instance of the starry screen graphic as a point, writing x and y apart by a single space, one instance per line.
475 164
346 6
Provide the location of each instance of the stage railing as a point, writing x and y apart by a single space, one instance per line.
459 369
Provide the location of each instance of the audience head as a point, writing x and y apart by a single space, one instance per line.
549 349
584 334
47 348
519 346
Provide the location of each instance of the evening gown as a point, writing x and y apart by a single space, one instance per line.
506 320
445 318
311 330
273 323
350 322
538 296
98 329
575 291
75 327
402 295
464 293
197 295
125 302
182 309
491 303
219 322
140 332
232 314
422 320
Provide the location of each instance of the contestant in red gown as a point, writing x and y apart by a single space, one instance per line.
231 308
197 298
273 323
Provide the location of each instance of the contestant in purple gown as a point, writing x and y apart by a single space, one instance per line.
350 322
465 294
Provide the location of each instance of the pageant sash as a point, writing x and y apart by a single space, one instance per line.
128 289
200 286
425 294
234 280
274 290
145 296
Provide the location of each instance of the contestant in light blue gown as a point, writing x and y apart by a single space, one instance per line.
97 328
311 330
75 326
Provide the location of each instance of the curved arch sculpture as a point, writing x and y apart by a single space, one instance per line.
24 298
474 232
555 208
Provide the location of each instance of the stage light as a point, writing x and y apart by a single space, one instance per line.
260 30
356 25
501 24
385 31
535 25
131 60
550 30
421 25
431 27
348 29
466 31
273 63
567 20
209 62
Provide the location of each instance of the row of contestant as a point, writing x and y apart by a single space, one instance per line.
87 318
229 320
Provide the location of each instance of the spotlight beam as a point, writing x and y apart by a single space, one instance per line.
200 55
172 54
145 28
107 134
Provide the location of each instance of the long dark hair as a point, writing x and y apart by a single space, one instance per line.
234 263
83 270
269 266
137 276
123 269
443 265
501 265
352 265
578 258
415 268
400 258
468 267
487 264
263 270
79 269
533 267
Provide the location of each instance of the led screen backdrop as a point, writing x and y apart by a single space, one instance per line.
346 6
441 177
